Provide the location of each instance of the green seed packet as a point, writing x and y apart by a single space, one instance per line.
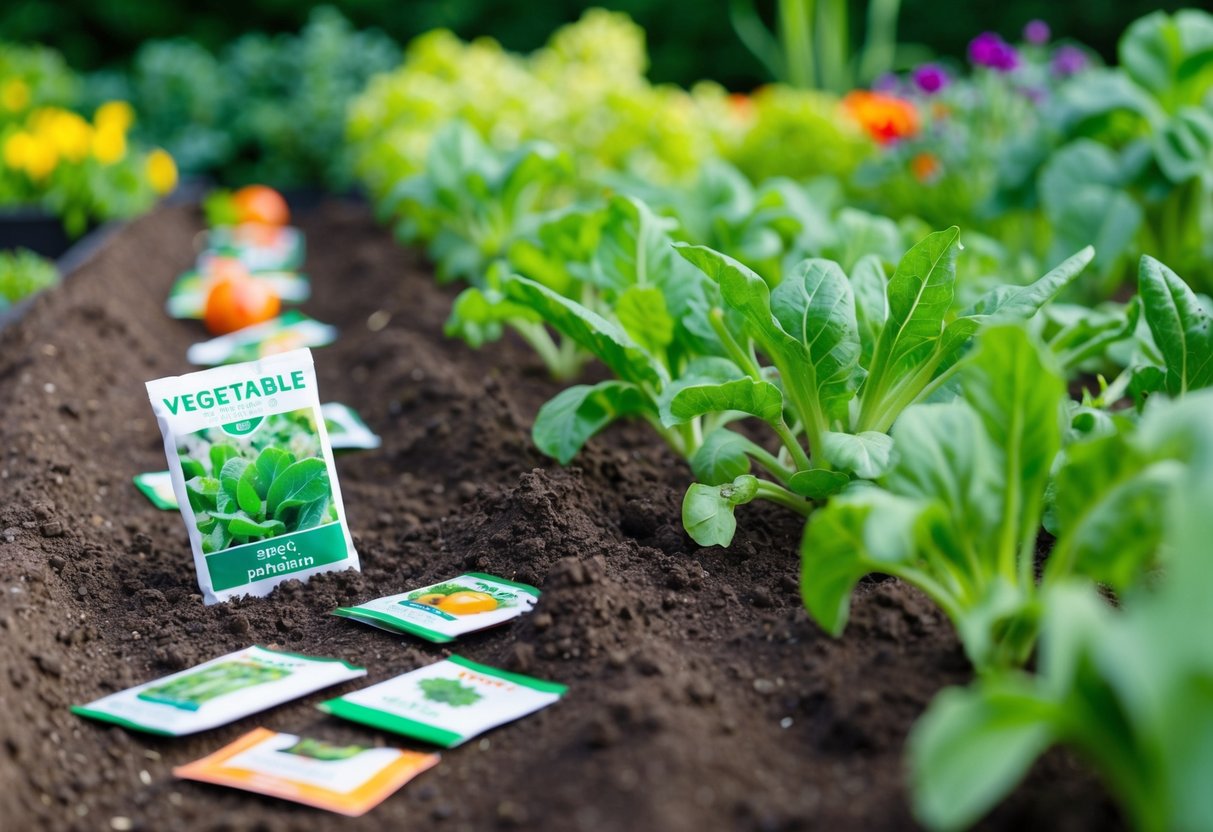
257 246
253 474
443 612
346 429
158 488
289 331
446 703
187 298
219 691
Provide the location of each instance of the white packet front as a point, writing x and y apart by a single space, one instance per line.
253 473
219 691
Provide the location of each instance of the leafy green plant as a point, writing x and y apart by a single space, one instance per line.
1128 687
450 692
22 273
958 514
1181 325
848 356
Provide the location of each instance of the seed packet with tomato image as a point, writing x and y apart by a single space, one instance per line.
443 612
257 245
289 331
347 779
187 298
446 703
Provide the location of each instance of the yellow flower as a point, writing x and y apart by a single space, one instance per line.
161 171
15 95
16 149
109 144
70 134
116 115
40 159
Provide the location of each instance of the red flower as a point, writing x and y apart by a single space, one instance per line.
886 118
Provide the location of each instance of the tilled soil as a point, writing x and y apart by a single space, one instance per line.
701 696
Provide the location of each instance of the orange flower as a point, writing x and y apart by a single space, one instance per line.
925 166
886 118
741 106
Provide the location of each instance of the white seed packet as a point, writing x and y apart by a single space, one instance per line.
289 331
253 474
187 297
157 486
347 779
446 703
217 692
443 612
257 246
346 429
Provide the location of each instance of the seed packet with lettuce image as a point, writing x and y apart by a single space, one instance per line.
446 703
346 429
289 331
157 486
258 246
253 474
187 298
346 779
443 612
219 691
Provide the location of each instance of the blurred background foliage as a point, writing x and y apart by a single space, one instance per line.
687 41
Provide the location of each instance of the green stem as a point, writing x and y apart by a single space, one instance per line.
781 496
740 356
833 43
796 35
790 442
880 44
562 363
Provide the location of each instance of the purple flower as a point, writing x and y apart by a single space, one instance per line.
887 82
1036 32
930 78
988 49
1069 60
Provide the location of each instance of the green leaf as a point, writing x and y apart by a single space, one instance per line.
315 513
642 313
870 285
1163 52
220 454
300 483
230 474
919 296
815 305
246 493
567 421
722 458
605 339
248 527
757 398
973 746
1181 326
707 510
817 483
1008 303
216 540
704 370
868 454
634 249
191 468
271 462
477 316
202 493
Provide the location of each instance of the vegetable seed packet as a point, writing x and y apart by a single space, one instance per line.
258 246
446 703
187 298
289 331
253 474
158 488
346 429
442 612
347 779
219 691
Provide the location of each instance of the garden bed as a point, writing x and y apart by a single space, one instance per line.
701 696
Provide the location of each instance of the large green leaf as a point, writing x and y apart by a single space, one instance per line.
299 484
642 313
757 398
566 422
1163 53
815 304
1008 302
723 456
870 286
868 454
1181 325
707 510
605 339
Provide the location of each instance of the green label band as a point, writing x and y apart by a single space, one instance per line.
250 562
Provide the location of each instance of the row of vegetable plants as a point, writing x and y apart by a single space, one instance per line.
914 389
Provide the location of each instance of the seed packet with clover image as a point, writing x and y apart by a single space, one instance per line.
446 703
443 612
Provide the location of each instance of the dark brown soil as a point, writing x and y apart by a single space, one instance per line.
701 696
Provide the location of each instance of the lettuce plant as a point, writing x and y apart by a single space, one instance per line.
847 356
1129 687
958 514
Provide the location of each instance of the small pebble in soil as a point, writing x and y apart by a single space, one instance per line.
764 686
120 823
378 320
786 722
52 529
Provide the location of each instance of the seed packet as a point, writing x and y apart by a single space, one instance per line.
446 703
258 246
253 473
442 612
158 488
219 691
347 779
187 298
289 331
346 429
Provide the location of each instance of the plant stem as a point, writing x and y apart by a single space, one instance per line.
790 442
740 356
562 363
780 495
796 34
880 44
